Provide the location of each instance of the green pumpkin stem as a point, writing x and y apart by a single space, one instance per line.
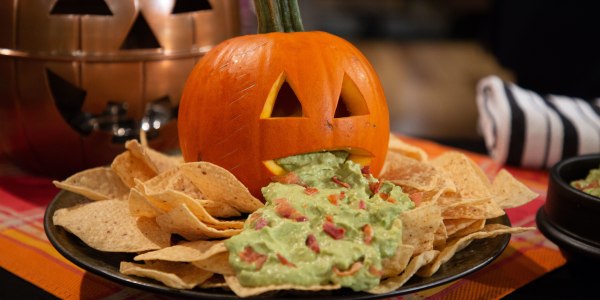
278 16
295 15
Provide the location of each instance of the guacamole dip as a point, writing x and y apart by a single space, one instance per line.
591 184
326 221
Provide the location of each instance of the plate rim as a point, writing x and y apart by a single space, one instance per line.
130 281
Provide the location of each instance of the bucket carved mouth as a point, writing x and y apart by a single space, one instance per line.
357 155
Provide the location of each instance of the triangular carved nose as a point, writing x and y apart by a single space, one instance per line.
140 36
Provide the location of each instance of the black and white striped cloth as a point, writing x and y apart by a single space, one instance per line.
522 128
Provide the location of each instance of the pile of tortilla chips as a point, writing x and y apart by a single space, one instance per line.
145 198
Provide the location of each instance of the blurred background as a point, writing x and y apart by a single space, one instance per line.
56 99
428 54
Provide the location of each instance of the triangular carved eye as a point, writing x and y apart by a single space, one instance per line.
81 7
140 36
186 6
281 102
351 101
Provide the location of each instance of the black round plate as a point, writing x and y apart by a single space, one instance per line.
474 257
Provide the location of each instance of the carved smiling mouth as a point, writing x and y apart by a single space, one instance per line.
357 155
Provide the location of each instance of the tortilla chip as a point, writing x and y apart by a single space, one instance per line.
155 160
448 199
470 180
108 226
453 246
472 209
219 185
139 151
440 236
170 199
219 263
175 180
394 265
443 187
128 167
509 192
211 256
397 145
419 226
455 225
182 221
242 291
99 183
164 162
219 209
171 274
186 251
473 227
216 281
396 282
139 206
407 172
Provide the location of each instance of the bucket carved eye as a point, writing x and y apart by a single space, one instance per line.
351 101
282 101
186 6
81 7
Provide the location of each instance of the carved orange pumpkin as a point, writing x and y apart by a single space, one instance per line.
256 98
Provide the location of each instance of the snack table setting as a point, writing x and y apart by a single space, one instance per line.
229 166
26 253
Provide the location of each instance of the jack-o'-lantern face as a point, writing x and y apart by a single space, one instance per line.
257 98
81 77
109 107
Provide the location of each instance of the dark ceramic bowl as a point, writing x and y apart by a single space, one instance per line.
571 218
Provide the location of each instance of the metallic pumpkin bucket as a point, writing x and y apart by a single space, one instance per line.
78 78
